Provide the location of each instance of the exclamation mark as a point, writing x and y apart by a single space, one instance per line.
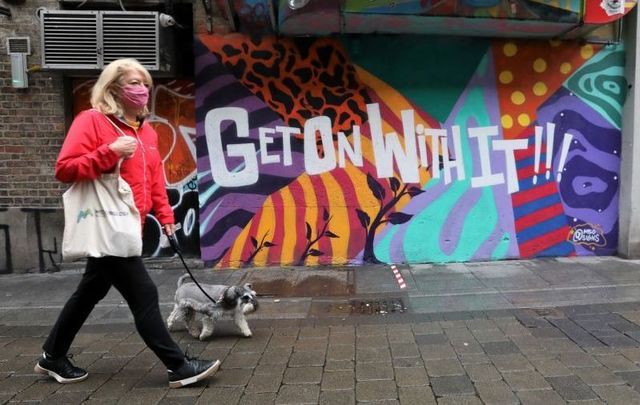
538 146
566 142
551 129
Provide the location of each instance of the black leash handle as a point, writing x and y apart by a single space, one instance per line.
174 244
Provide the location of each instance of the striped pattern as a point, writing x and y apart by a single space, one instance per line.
289 217
540 222
341 191
398 277
222 222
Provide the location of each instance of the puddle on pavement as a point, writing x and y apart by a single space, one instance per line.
310 286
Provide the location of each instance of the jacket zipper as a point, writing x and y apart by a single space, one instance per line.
144 169
144 161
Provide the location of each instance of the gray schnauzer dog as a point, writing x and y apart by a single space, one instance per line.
235 301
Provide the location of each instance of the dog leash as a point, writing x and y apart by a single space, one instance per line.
174 244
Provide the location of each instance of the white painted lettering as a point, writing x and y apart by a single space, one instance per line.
450 164
313 163
435 134
344 147
509 146
486 178
388 147
286 143
265 139
212 128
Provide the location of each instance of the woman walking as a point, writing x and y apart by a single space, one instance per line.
113 130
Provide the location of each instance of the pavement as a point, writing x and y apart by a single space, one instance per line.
563 330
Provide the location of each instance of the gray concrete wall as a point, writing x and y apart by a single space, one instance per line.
629 238
26 236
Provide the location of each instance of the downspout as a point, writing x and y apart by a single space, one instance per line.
629 208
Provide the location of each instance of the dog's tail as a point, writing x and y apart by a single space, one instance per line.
182 279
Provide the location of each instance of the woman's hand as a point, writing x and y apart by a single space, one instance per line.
124 146
169 229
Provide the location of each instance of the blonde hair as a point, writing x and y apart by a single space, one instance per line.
103 94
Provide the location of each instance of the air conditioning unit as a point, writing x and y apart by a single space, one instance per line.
90 40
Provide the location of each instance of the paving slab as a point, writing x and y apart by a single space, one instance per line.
416 395
571 388
526 381
376 391
594 376
536 397
482 372
452 385
508 332
617 394
340 397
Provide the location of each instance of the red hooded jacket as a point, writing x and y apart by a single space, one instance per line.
85 154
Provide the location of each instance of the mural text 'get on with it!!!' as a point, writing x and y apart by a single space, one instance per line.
391 149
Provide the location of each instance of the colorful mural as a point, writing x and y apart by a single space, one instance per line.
393 149
173 117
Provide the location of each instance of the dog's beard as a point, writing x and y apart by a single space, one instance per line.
248 308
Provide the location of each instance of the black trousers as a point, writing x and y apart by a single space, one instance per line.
130 278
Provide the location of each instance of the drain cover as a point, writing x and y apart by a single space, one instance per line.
547 312
377 307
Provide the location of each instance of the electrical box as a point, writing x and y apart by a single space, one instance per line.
19 78
18 49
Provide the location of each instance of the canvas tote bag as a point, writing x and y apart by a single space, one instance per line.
101 218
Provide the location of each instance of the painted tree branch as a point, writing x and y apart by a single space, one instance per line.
308 251
394 218
258 247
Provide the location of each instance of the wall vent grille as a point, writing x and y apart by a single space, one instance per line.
92 39
70 39
130 35
18 45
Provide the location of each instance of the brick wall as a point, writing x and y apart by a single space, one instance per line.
31 120
32 128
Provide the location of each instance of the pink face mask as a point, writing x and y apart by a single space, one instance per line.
134 96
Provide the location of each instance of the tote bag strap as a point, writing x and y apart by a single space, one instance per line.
115 126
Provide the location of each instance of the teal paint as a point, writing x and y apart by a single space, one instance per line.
382 250
601 83
500 252
422 238
422 69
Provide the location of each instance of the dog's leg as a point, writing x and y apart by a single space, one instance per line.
241 322
175 317
208 324
192 325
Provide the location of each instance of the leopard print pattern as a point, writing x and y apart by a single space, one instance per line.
299 78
